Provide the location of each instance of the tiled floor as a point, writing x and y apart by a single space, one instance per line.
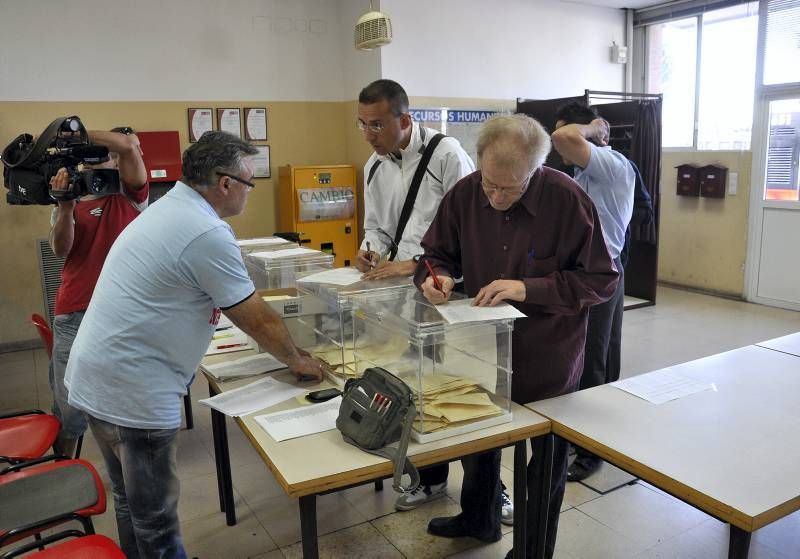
633 521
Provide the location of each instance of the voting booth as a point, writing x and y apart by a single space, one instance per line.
460 373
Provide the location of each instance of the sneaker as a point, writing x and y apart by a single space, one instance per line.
420 496
506 510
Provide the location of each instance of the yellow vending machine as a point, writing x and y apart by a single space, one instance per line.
320 203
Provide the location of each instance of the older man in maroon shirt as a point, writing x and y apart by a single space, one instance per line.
526 234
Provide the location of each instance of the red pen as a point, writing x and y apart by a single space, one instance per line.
226 346
433 275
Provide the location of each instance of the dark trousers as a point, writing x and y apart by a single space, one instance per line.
480 497
434 475
603 350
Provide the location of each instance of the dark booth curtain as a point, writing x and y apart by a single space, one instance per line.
646 153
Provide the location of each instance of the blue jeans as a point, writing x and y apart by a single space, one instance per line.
143 471
65 328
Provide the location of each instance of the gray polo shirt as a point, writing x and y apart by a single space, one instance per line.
154 311
609 181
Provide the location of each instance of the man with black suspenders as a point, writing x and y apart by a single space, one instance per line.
404 181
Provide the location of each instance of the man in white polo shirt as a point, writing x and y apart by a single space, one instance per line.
158 299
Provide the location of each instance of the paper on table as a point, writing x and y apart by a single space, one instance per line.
299 422
225 341
250 365
253 397
337 276
661 386
285 253
262 241
463 311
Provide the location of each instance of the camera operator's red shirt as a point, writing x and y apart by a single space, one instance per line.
98 223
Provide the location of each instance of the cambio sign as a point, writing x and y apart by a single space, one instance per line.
331 202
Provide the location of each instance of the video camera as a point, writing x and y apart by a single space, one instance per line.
29 165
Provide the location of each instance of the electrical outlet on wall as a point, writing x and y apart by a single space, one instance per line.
733 183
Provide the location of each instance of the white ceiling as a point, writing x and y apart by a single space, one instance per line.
618 3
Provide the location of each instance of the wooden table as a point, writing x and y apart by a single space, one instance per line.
300 475
731 452
787 344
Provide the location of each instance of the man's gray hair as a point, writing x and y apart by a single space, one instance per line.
214 152
523 136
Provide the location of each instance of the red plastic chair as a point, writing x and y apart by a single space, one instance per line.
51 491
26 435
84 547
44 332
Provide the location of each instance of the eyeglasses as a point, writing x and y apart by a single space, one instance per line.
248 184
375 128
491 188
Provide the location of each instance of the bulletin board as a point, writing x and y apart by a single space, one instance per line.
461 124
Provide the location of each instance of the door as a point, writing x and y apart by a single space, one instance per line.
774 242
773 265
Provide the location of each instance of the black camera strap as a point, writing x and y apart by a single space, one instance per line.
413 190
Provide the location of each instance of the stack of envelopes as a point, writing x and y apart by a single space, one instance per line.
343 367
447 401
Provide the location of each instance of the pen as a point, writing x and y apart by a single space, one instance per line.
433 275
388 405
375 397
369 256
223 328
226 346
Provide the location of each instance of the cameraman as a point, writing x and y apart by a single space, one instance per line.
82 232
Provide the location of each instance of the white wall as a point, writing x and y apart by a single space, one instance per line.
492 49
94 50
359 67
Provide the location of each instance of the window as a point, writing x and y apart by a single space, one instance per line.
783 152
711 106
782 48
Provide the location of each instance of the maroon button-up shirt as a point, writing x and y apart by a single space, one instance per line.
550 239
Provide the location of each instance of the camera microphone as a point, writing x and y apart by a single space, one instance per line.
87 153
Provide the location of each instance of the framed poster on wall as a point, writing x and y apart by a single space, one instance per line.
255 124
200 122
261 163
230 121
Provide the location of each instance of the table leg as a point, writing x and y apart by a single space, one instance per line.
379 485
215 436
739 544
520 498
223 459
541 475
308 526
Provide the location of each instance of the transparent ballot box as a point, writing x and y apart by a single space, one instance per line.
278 269
460 373
263 244
333 323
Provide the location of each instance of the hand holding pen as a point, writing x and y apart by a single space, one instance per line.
437 287
367 259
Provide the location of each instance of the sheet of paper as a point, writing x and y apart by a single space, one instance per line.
299 422
262 241
661 386
337 276
462 310
253 397
227 340
285 253
245 366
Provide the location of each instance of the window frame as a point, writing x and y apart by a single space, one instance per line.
757 85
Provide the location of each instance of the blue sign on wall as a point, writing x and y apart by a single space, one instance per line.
453 115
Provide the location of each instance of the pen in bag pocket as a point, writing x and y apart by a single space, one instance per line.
386 407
